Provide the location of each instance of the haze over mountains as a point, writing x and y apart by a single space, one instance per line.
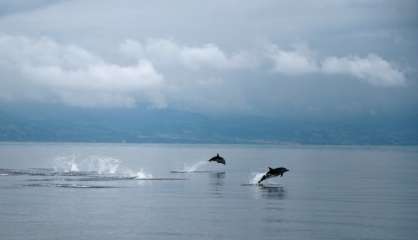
67 124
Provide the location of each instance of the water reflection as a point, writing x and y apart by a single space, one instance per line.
217 182
271 192
218 176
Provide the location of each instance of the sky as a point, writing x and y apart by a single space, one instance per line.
265 58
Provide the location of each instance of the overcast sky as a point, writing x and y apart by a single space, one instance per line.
253 57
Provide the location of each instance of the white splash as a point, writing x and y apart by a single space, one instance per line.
74 167
66 164
256 177
103 164
195 166
141 174
92 163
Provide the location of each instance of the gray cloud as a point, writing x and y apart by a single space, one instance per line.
293 62
10 7
75 76
167 51
372 68
211 56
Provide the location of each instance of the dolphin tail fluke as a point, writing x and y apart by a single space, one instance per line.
262 179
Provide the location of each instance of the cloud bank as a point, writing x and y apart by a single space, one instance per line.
160 72
48 71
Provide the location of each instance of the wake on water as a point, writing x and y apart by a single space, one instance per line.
104 168
73 171
59 185
101 167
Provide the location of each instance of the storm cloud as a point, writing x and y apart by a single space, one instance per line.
222 56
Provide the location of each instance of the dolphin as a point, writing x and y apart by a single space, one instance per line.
273 172
217 159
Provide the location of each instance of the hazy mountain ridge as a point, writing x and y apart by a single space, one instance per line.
53 123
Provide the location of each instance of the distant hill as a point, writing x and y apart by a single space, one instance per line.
58 123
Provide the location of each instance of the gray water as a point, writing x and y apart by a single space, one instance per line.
143 191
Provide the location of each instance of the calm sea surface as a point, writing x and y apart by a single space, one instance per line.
144 191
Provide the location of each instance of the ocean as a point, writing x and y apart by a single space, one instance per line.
170 191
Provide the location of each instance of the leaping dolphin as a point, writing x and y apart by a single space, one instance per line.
217 159
273 172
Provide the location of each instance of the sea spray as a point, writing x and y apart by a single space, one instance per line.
102 164
141 174
66 164
97 164
256 177
195 166
74 167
